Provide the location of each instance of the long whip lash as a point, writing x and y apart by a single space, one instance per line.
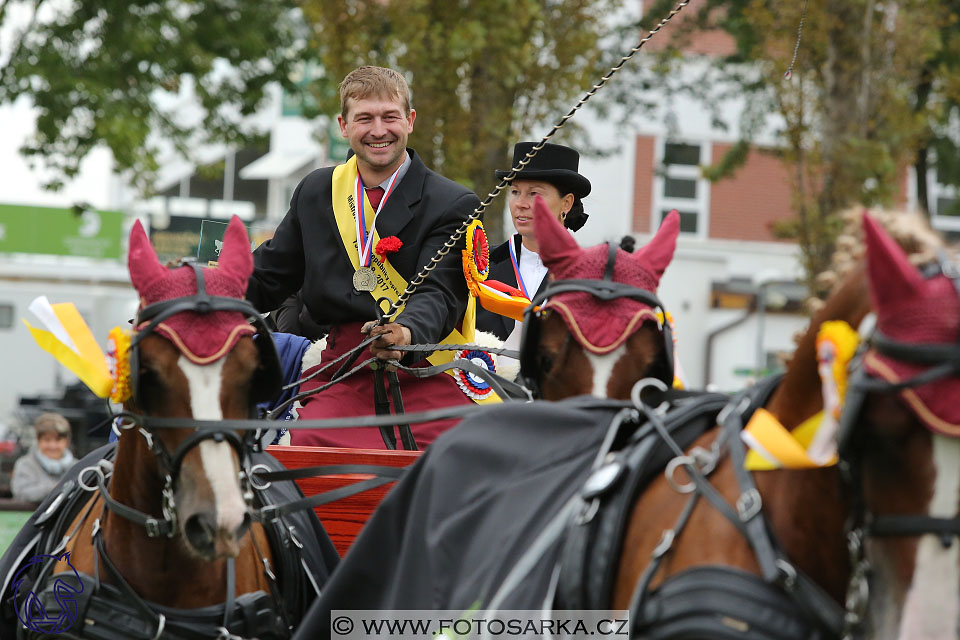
796 47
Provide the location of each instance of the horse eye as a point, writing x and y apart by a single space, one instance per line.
545 363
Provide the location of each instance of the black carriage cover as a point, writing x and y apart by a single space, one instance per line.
453 528
318 554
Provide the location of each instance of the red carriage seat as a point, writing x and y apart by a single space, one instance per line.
344 518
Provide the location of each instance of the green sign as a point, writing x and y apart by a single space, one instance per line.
88 233
211 240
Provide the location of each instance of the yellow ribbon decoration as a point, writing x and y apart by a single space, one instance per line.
119 358
773 447
87 361
811 444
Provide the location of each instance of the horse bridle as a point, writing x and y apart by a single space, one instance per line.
844 622
605 289
943 360
169 464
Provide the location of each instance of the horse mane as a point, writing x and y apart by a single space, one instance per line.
910 229
849 300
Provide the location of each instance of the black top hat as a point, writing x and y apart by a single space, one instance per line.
554 163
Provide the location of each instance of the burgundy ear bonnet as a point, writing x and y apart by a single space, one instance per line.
913 309
203 338
602 326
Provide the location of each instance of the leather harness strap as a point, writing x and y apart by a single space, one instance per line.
580 586
406 433
381 406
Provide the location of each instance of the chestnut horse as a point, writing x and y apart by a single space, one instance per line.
170 528
876 531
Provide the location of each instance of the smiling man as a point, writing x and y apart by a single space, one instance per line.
361 231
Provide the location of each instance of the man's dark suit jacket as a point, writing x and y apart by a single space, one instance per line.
306 254
501 269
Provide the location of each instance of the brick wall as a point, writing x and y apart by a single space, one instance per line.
901 193
744 206
683 33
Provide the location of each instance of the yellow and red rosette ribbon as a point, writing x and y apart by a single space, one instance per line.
837 343
476 257
118 359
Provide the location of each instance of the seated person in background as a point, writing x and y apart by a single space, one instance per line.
37 472
551 174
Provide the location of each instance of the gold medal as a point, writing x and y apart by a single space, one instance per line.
364 279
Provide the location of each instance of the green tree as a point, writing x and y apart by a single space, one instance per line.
97 72
937 104
483 73
851 114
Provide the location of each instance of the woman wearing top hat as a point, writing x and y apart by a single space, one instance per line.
552 174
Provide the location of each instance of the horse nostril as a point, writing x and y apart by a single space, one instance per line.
242 529
200 530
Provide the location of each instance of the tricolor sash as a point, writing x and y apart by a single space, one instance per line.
390 284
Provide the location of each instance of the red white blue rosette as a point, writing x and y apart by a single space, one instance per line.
473 386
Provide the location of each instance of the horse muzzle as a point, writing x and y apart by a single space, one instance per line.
212 539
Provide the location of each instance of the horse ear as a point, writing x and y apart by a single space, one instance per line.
142 261
235 259
890 273
557 247
657 254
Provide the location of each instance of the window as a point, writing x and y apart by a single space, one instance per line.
680 188
943 199
679 185
948 206
688 220
684 154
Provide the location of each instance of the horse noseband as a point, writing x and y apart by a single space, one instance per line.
173 461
